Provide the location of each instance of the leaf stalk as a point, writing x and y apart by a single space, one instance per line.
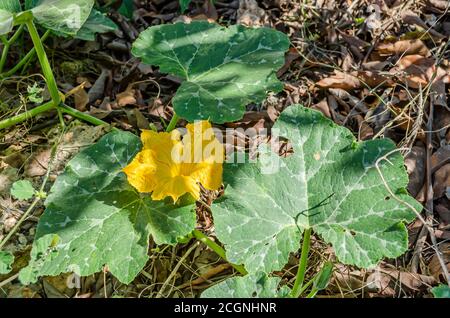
300 278
218 249
46 68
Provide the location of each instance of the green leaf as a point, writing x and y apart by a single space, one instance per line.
441 291
101 219
6 261
12 6
43 250
329 184
224 68
126 8
7 10
6 22
35 94
62 16
323 278
257 285
184 4
22 190
96 23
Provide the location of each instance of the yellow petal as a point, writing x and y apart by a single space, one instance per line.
208 174
141 171
201 143
151 139
171 166
175 188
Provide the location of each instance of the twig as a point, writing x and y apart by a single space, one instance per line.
37 198
426 225
429 206
8 280
429 195
175 269
203 278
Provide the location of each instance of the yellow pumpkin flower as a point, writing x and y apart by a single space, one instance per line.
170 164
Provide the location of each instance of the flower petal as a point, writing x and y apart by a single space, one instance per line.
141 171
152 139
172 166
176 187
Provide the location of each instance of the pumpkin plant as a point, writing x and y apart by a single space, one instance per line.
62 17
119 193
352 194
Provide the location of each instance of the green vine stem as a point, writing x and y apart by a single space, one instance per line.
302 265
83 116
46 68
173 122
217 248
25 59
7 45
312 293
47 107
8 122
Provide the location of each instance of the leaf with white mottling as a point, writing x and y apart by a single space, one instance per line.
329 184
7 10
224 68
257 285
101 219
62 16
6 22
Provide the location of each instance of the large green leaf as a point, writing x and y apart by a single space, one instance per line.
101 219
62 16
96 23
256 285
7 10
12 6
6 22
224 68
329 184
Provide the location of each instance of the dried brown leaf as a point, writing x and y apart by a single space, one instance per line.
340 80
404 47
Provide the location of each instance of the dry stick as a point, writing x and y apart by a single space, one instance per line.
429 206
419 216
429 195
8 280
32 206
21 220
206 276
429 187
175 269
